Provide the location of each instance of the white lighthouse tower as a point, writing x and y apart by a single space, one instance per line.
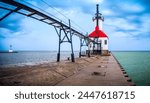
10 49
98 35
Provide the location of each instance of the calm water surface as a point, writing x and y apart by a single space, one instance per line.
137 65
31 58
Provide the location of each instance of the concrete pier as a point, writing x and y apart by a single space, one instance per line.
104 71
94 71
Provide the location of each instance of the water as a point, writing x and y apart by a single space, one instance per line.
137 66
31 58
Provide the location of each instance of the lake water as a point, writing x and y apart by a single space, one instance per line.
137 66
31 58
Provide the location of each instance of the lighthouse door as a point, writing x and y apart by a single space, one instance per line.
99 48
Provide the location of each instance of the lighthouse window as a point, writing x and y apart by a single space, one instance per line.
105 42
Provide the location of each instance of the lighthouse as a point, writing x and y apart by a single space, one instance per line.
10 49
101 39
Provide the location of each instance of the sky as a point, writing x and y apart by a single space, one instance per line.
126 24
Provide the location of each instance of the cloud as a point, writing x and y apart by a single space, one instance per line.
131 7
145 3
10 25
79 19
128 19
94 1
45 35
108 12
125 22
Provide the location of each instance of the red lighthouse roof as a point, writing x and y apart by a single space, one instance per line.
97 33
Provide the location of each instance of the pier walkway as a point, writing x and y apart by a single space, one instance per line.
93 71
104 71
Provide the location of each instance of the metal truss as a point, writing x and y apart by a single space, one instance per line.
43 17
66 36
83 42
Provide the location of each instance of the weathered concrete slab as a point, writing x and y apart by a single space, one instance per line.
93 71
108 73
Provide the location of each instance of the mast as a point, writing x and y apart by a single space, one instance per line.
97 17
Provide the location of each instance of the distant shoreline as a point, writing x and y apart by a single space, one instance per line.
8 52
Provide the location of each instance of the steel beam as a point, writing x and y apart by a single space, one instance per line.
29 9
67 37
31 14
72 54
18 8
83 42
68 30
